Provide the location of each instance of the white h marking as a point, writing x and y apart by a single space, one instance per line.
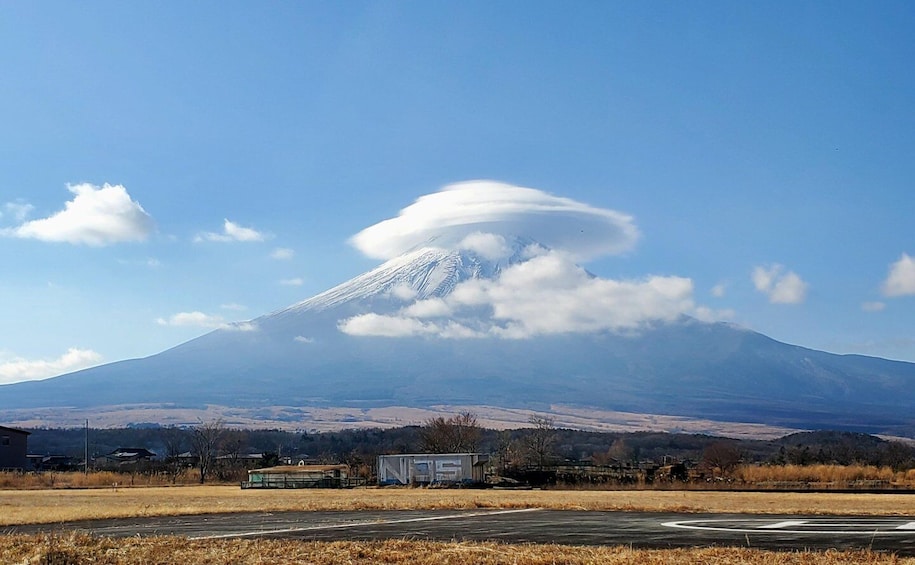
785 524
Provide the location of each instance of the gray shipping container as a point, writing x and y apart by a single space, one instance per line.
432 468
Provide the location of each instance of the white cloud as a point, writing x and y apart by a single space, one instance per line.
460 214
303 339
149 262
232 232
96 216
487 245
17 369
403 292
398 326
282 254
873 306
719 290
455 330
548 294
19 210
233 306
198 319
386 326
763 279
429 308
779 286
292 282
901 279
201 320
706 314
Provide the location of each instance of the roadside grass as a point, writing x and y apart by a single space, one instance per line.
62 505
77 548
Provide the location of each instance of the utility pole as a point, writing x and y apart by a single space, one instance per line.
87 447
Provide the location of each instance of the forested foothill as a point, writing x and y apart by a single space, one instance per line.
537 454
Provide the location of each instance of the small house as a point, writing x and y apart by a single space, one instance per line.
14 448
299 476
128 457
53 463
241 460
432 468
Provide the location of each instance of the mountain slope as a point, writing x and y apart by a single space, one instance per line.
298 356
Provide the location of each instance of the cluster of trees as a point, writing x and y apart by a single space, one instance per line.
214 449
533 446
810 448
456 434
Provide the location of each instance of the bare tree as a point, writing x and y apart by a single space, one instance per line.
721 457
205 441
620 451
466 432
175 441
231 465
539 440
506 451
457 434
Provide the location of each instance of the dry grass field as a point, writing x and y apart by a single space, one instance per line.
75 549
56 505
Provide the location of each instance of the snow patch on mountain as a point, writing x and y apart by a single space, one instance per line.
424 273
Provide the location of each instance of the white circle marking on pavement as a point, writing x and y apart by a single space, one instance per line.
811 526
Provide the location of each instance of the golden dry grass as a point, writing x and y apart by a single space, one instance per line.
75 479
76 548
838 474
58 505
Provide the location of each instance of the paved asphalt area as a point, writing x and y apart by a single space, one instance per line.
636 529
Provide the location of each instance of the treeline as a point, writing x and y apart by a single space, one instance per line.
358 447
831 448
166 441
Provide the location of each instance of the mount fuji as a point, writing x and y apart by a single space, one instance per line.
317 353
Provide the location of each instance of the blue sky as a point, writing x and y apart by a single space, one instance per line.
762 150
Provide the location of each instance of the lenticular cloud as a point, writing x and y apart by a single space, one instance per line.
460 211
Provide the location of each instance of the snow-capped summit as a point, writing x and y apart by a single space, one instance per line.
426 272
